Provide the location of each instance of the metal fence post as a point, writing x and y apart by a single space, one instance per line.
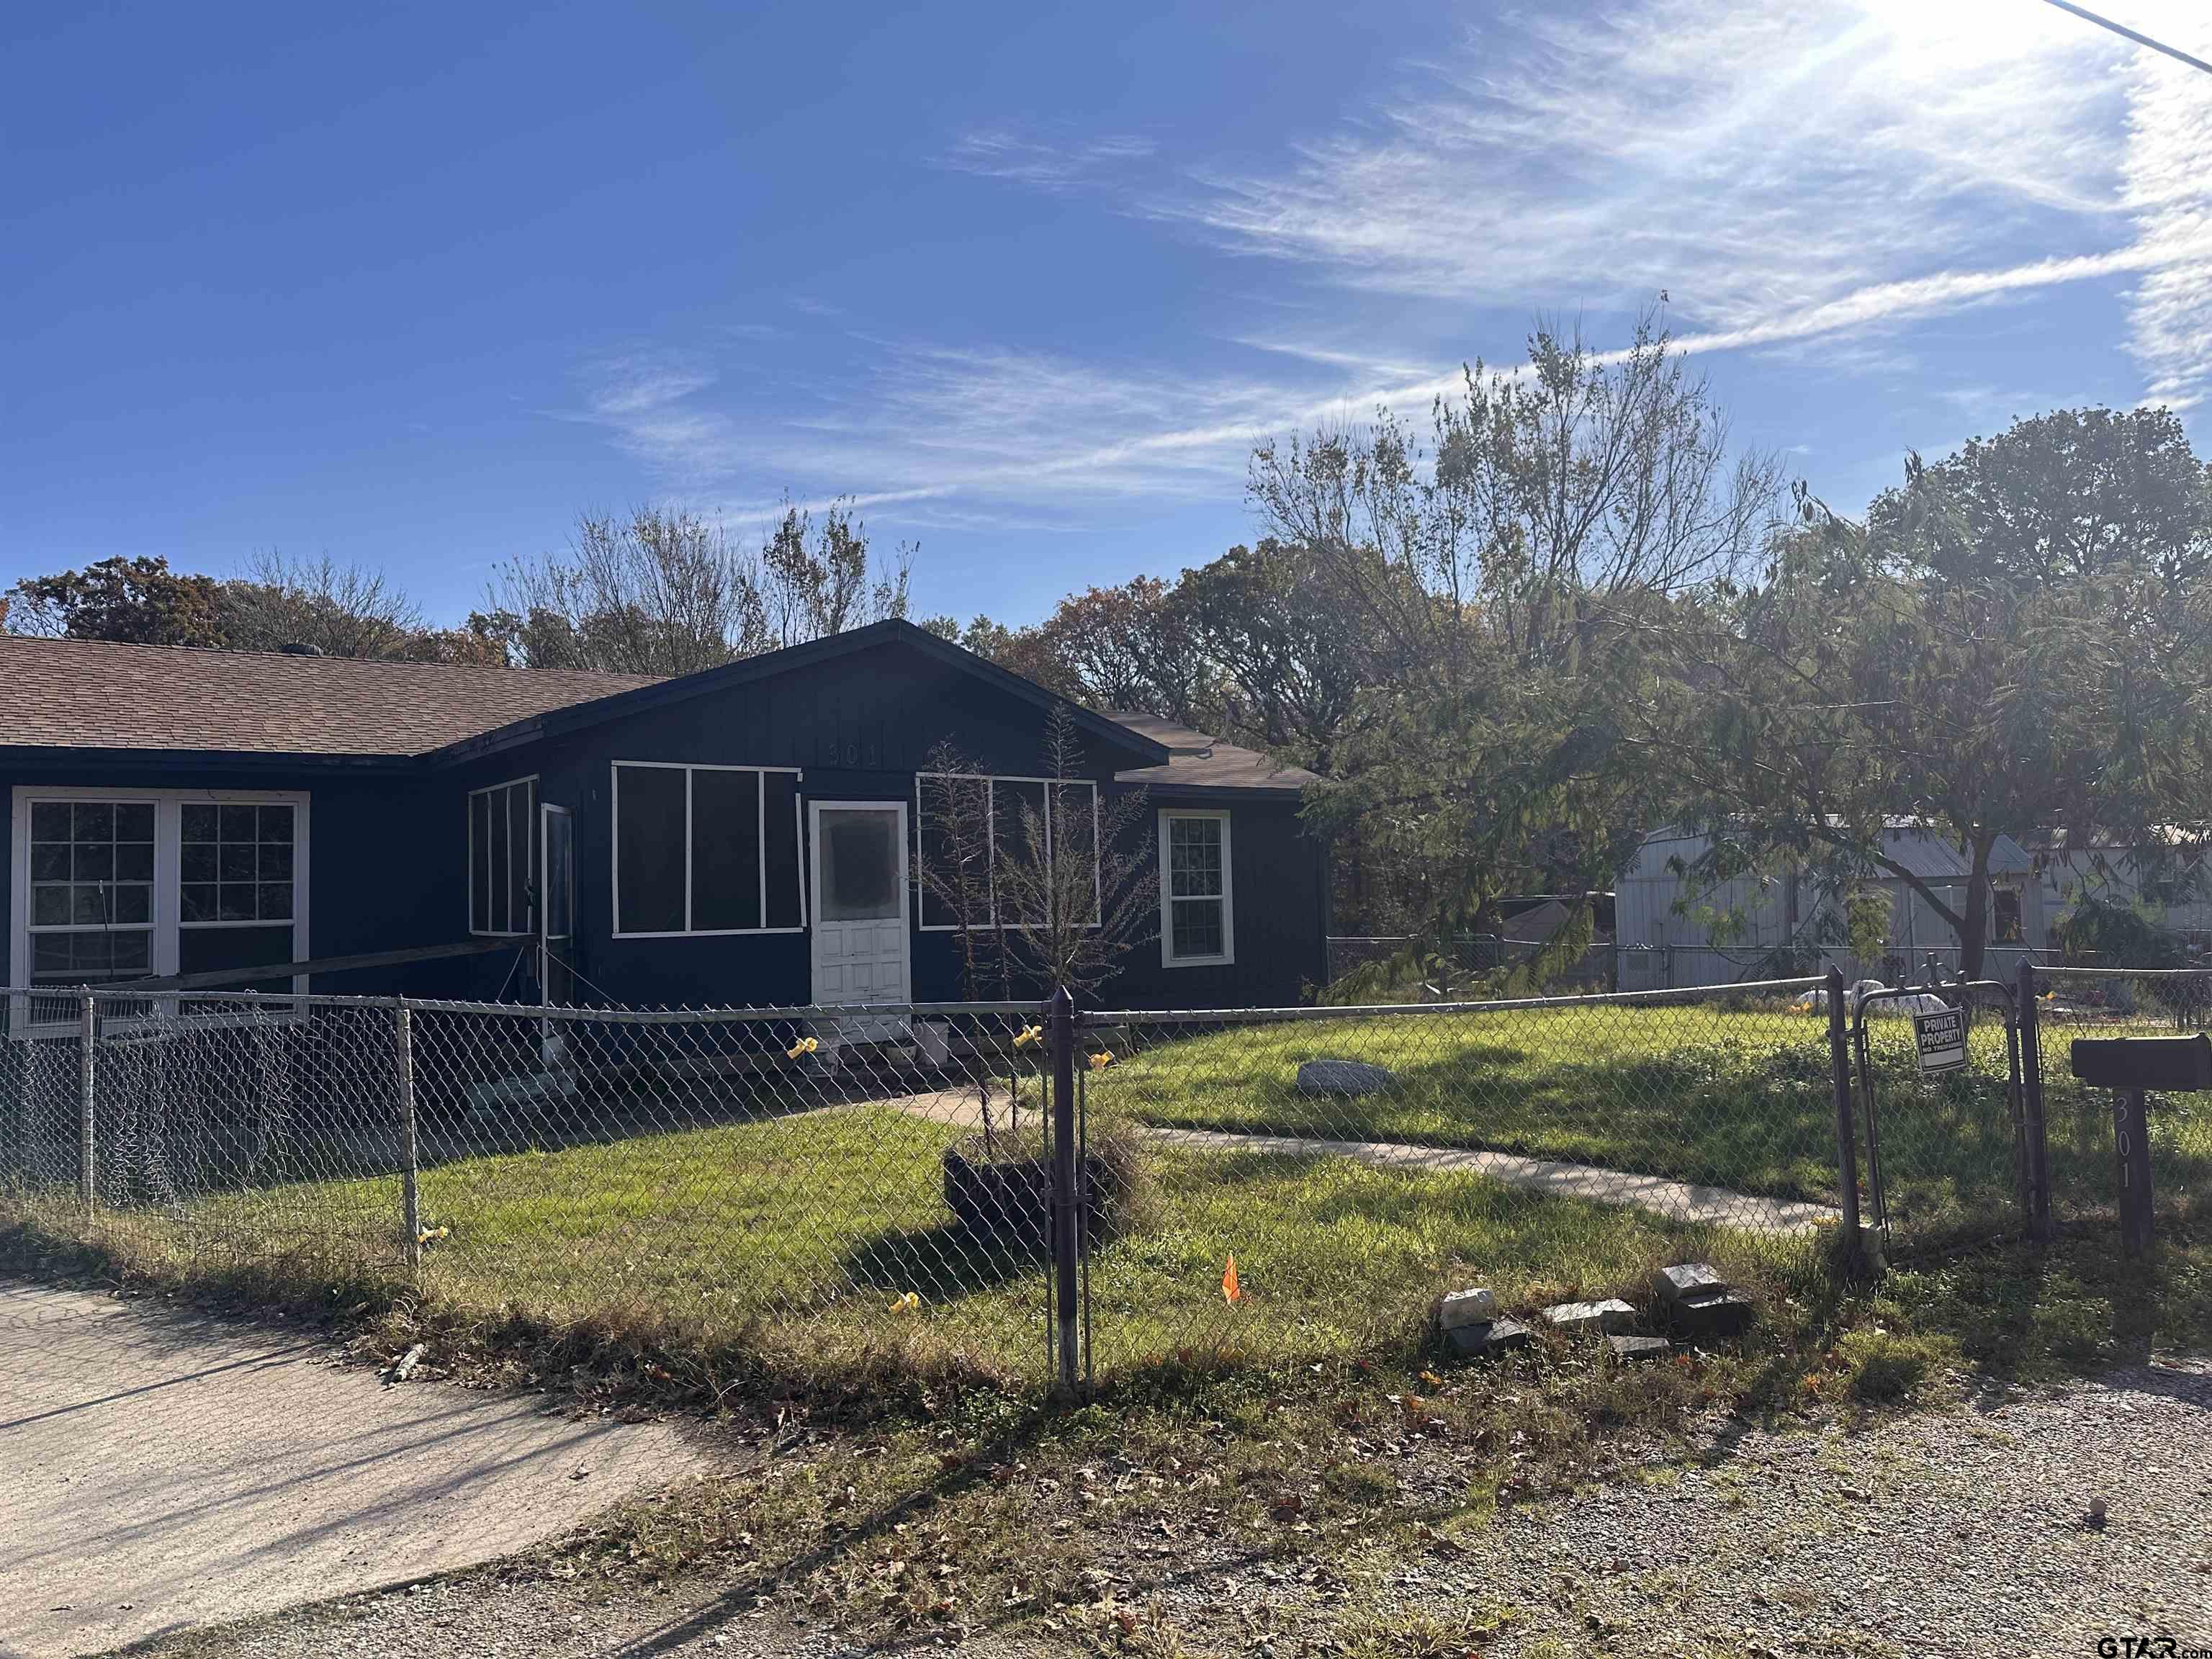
1061 1039
88 1031
1847 1151
410 1197
2035 1143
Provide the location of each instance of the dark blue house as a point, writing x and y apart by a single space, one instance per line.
745 836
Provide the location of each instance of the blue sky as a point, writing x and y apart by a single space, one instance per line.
412 286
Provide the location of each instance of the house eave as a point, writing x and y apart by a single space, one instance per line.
559 722
52 758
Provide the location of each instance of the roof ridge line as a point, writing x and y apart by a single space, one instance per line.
8 635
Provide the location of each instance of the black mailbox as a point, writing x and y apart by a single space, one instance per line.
2178 1065
2128 1066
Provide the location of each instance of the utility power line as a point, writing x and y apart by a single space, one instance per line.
2126 33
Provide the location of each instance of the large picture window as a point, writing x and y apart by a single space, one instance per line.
1197 921
998 811
502 857
121 885
706 849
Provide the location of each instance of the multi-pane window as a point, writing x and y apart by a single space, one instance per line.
1196 922
502 857
234 864
234 886
997 823
142 884
91 891
706 849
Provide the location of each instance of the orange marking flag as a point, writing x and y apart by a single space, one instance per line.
1230 1291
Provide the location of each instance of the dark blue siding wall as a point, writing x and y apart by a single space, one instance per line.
389 848
1278 886
380 876
859 728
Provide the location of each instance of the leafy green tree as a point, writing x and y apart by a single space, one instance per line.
1281 650
279 604
816 578
2014 641
128 601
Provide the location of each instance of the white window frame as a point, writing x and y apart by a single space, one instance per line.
760 803
1227 901
990 780
537 794
162 948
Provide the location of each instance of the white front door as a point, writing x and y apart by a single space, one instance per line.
861 947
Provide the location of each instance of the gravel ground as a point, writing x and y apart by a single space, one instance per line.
1967 1530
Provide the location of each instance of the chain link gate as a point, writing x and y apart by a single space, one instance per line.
1947 1156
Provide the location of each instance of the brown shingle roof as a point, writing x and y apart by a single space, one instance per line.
87 694
1197 761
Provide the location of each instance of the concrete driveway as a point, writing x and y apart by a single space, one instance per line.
160 1470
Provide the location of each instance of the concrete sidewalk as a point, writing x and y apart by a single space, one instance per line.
1678 1200
164 1470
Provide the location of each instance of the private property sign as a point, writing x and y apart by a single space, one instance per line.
1941 1039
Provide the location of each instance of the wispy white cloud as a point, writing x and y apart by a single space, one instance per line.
630 384
1363 365
1015 438
1044 163
1748 160
2168 190
1806 177
1794 171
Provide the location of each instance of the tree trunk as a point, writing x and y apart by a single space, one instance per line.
1974 925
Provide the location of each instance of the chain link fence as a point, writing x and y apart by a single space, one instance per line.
825 1183
810 1181
2078 1129
1356 1162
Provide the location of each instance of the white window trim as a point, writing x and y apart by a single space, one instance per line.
162 948
1167 957
538 794
760 802
990 782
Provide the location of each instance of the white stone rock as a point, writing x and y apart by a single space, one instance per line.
1343 1077
1687 1281
1587 1318
1470 1307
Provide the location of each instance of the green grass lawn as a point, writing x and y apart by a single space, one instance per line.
823 1237
1736 1098
803 1236
1733 1097
1336 1257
